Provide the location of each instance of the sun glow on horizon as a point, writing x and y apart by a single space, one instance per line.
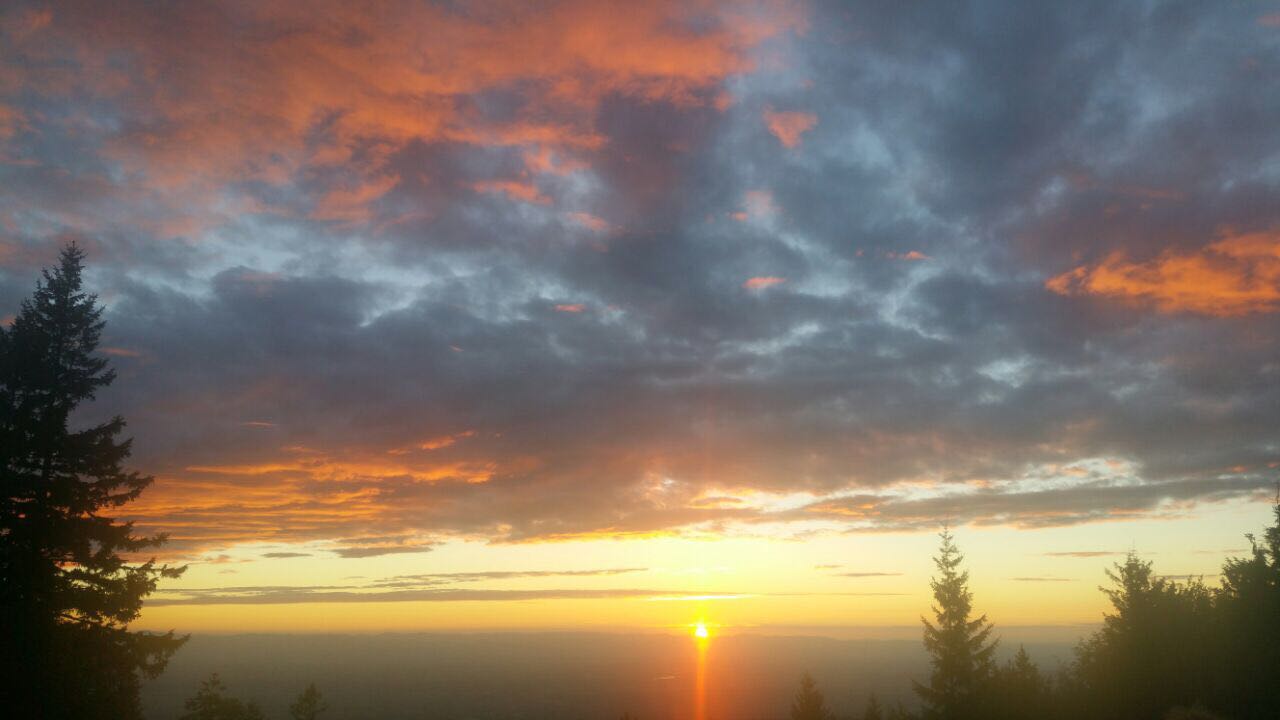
702 639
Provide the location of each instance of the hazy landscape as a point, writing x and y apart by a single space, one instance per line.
552 675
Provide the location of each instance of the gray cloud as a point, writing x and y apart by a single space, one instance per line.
420 382
378 550
284 596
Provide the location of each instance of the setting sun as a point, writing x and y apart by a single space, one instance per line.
700 631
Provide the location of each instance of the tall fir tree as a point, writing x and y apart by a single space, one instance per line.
959 645
213 703
66 592
809 704
310 704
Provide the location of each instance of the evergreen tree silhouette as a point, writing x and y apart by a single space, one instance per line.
309 704
1248 608
898 712
1153 650
1017 690
958 645
809 703
66 593
212 703
872 711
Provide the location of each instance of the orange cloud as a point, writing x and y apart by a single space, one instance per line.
445 440
352 205
10 122
268 90
571 307
589 221
789 126
759 283
327 468
1236 275
514 189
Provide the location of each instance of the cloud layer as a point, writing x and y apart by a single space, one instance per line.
379 279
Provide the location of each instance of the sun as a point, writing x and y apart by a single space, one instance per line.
700 631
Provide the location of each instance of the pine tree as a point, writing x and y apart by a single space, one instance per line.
66 593
1152 652
873 711
213 703
309 704
1248 606
1017 690
809 703
958 645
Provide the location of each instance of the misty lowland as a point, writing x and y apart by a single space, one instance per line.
640 360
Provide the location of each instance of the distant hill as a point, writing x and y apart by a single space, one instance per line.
531 676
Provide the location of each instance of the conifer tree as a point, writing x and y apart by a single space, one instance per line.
1151 652
958 644
66 593
309 704
873 711
1017 690
213 703
809 703
1248 605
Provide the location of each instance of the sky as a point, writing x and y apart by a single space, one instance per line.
623 315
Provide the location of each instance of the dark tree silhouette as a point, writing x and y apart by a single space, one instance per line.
66 593
212 703
1248 605
960 653
1017 690
809 703
872 711
309 704
1152 651
898 712
1191 713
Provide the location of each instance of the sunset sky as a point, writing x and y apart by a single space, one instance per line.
621 315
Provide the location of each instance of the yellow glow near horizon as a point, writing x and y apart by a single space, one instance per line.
1045 580
700 631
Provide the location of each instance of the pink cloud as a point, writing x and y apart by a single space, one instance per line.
514 189
789 126
760 283
270 92
571 307
590 222
757 204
